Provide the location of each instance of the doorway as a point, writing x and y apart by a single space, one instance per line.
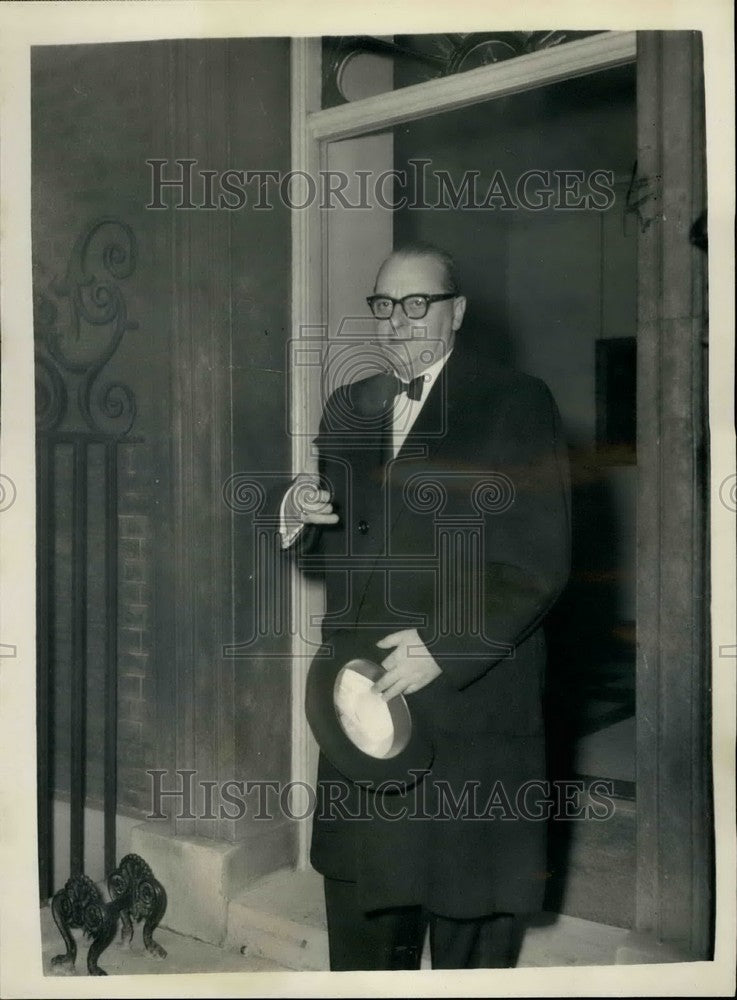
551 291
556 265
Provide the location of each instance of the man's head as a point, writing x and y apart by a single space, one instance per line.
412 345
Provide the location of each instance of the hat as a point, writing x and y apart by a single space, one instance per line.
366 738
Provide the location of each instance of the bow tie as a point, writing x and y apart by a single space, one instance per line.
413 388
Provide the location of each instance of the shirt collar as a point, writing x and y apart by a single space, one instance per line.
431 373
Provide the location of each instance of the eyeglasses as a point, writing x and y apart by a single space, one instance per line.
414 306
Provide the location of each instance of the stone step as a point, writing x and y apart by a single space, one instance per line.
282 915
183 955
592 867
282 919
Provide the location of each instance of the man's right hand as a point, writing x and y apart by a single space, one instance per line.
306 503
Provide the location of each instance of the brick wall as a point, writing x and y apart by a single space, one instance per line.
91 134
136 662
136 708
99 112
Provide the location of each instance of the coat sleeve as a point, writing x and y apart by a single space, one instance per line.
307 542
491 604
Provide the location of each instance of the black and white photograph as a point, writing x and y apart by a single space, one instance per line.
367 500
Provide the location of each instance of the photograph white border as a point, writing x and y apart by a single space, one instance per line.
23 24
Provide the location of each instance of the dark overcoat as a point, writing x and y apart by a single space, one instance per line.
465 535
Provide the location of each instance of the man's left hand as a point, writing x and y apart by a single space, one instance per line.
409 667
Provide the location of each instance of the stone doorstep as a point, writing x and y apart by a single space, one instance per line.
194 873
269 936
639 948
282 915
282 919
201 875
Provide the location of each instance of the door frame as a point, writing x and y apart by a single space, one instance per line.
312 130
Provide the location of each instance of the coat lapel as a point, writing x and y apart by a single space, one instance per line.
445 396
444 404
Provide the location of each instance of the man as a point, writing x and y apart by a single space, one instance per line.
441 523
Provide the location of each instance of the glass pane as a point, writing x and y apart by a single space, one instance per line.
360 66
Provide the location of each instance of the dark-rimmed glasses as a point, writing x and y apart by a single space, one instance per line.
415 306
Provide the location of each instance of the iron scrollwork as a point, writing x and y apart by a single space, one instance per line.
139 896
68 317
434 55
51 394
80 904
135 894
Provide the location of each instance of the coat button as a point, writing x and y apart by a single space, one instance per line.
363 527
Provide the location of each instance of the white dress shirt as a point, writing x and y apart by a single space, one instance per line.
406 412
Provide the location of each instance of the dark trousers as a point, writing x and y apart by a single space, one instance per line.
393 938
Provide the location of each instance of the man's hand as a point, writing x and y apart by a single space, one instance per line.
306 503
409 666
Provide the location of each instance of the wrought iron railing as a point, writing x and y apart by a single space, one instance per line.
79 323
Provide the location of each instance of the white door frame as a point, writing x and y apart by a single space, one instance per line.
312 130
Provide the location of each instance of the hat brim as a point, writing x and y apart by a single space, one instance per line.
411 752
